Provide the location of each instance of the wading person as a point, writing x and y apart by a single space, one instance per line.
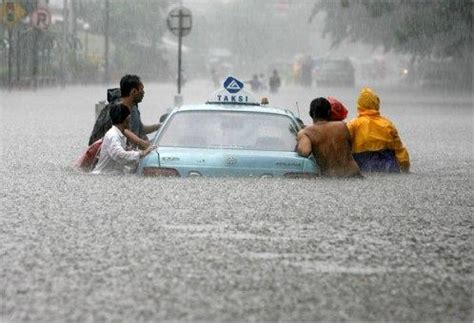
274 82
132 92
329 142
376 145
113 157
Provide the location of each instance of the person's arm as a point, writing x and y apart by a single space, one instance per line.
351 126
120 155
134 139
401 153
304 147
151 128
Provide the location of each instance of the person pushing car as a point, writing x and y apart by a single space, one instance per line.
114 158
131 92
328 141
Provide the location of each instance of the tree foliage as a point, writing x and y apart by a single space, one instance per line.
135 28
130 21
422 28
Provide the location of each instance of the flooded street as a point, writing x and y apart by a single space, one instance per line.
77 247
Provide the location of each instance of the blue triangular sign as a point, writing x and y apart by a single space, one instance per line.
233 85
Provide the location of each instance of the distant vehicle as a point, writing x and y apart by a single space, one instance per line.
230 135
438 74
334 72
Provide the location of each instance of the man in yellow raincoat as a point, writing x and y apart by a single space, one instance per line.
376 145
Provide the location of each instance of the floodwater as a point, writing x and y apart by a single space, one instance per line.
78 247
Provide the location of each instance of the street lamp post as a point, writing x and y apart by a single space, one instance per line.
106 40
86 28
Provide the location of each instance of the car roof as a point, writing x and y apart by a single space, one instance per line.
234 108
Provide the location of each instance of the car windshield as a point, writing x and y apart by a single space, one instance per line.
229 130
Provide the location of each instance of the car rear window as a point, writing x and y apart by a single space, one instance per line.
229 130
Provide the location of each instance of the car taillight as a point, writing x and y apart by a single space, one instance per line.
157 171
301 175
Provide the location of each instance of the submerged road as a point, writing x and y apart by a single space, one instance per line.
76 247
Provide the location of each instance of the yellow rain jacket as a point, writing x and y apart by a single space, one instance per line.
372 132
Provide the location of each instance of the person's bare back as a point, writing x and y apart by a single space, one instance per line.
330 143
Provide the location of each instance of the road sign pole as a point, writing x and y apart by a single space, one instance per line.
106 45
10 54
177 19
62 56
19 37
180 42
34 67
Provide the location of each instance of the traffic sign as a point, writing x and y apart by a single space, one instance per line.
11 13
180 21
41 18
180 18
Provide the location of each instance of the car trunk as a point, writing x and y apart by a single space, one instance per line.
232 162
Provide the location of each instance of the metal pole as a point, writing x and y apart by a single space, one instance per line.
18 55
10 54
34 71
86 46
106 54
62 66
180 32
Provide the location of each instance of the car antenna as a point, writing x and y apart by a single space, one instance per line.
298 108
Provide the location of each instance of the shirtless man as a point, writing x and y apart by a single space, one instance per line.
329 141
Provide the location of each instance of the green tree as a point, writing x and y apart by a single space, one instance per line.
136 28
129 20
423 29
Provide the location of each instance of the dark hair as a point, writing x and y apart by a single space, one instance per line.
127 83
320 108
118 113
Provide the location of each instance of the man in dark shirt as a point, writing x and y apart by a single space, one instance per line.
329 141
132 92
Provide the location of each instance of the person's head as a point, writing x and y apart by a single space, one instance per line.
338 110
368 100
320 108
275 72
132 86
119 113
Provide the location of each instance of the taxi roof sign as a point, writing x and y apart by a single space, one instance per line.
232 93
233 85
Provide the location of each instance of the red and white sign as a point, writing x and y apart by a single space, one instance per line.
41 18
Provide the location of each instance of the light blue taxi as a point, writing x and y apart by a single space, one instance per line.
230 135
